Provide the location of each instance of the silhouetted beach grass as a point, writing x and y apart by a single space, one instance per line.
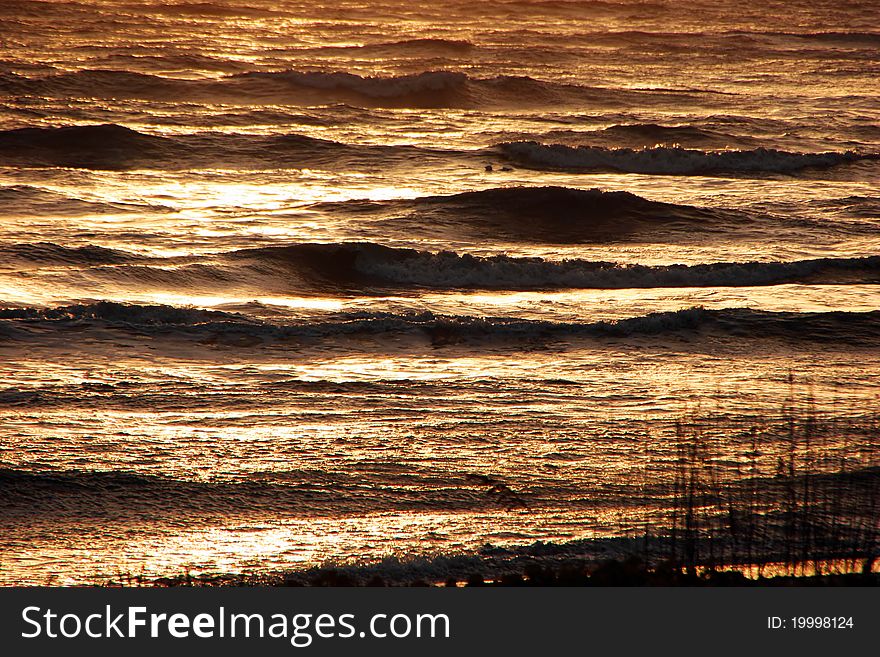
797 494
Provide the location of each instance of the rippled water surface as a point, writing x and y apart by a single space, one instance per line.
287 283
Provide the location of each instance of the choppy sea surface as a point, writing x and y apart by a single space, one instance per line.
291 283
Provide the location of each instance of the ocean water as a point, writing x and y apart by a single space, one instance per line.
291 283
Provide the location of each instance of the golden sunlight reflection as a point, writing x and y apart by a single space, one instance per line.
294 284
243 546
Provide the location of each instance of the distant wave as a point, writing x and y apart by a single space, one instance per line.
579 6
417 47
97 83
111 146
430 89
64 8
856 37
433 86
35 201
652 134
671 160
43 253
101 146
121 62
547 214
712 133
729 40
833 328
455 89
205 9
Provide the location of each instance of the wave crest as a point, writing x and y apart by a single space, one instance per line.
94 146
359 267
741 323
42 253
548 214
36 201
671 160
366 264
429 89
111 146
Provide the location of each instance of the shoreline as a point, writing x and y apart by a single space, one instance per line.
588 562
630 572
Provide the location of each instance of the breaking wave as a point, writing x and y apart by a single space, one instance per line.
365 267
215 327
112 146
671 160
365 264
